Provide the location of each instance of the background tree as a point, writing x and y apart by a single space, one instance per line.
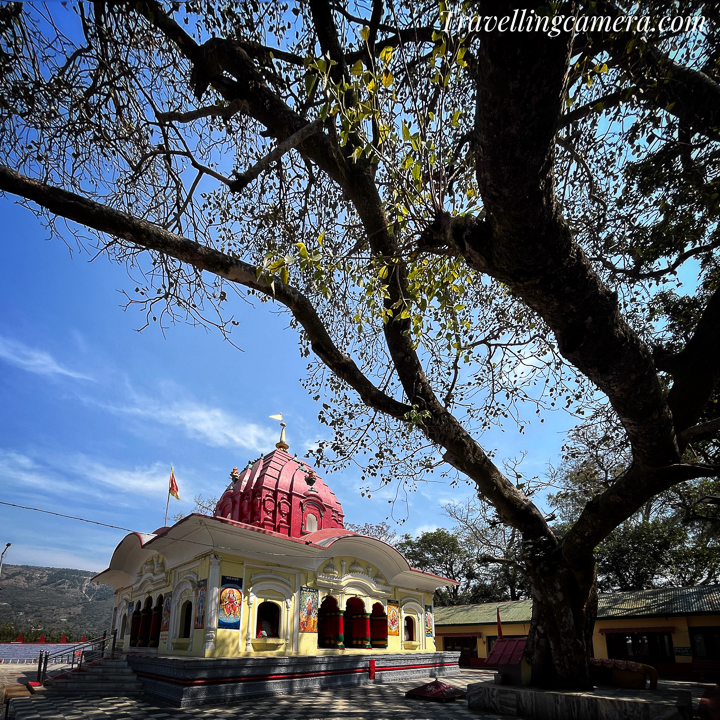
456 222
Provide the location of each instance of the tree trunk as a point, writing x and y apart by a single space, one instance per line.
563 618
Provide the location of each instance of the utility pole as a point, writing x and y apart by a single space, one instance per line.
2 557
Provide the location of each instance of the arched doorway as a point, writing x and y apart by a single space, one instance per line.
409 629
268 620
331 632
135 625
145 619
155 622
357 624
378 626
186 614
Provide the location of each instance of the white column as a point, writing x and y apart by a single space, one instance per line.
288 620
213 599
250 624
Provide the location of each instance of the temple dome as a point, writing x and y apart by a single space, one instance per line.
278 493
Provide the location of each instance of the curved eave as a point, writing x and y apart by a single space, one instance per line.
391 562
197 535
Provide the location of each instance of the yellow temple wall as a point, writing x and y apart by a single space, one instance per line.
275 583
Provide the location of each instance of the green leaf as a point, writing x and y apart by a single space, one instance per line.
310 81
357 68
365 33
405 131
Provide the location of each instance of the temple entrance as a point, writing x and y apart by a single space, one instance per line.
145 619
378 626
331 630
156 622
357 624
186 614
135 625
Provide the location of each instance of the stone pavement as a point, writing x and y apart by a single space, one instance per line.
374 702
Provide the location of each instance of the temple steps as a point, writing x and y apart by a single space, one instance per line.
104 678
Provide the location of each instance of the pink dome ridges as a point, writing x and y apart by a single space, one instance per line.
274 494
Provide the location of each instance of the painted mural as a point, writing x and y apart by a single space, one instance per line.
308 610
200 601
393 612
230 603
167 606
429 622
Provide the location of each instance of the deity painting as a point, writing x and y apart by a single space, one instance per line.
429 622
393 614
308 610
200 600
231 598
167 606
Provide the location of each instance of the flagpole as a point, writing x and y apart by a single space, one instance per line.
167 507
167 504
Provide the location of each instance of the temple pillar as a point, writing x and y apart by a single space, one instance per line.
340 629
213 599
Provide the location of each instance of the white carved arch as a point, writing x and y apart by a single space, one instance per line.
184 590
258 594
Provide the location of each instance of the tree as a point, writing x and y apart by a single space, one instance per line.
440 552
381 531
457 220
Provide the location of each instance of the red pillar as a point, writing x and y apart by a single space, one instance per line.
144 630
155 622
340 629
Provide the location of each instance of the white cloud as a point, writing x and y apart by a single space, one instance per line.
214 426
33 360
79 475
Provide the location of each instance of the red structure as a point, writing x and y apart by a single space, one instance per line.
280 493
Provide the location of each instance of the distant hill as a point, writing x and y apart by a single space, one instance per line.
57 599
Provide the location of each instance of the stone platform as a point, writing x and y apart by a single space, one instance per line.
185 682
597 704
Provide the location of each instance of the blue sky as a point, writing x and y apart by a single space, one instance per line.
94 413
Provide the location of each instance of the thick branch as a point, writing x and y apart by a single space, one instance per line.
696 370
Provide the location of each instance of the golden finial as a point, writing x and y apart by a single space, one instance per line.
282 445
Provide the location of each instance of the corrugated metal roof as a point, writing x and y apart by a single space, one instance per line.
659 602
510 612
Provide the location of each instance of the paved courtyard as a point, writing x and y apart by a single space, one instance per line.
371 702
374 702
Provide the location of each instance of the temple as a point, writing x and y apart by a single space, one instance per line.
272 573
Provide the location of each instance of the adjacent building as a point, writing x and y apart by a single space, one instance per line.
677 630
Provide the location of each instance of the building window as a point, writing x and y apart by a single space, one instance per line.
186 619
648 647
705 642
409 629
466 645
268 620
311 523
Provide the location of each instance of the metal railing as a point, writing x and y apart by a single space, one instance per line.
102 647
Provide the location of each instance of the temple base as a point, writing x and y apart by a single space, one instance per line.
184 682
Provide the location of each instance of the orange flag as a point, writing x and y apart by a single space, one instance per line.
173 489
